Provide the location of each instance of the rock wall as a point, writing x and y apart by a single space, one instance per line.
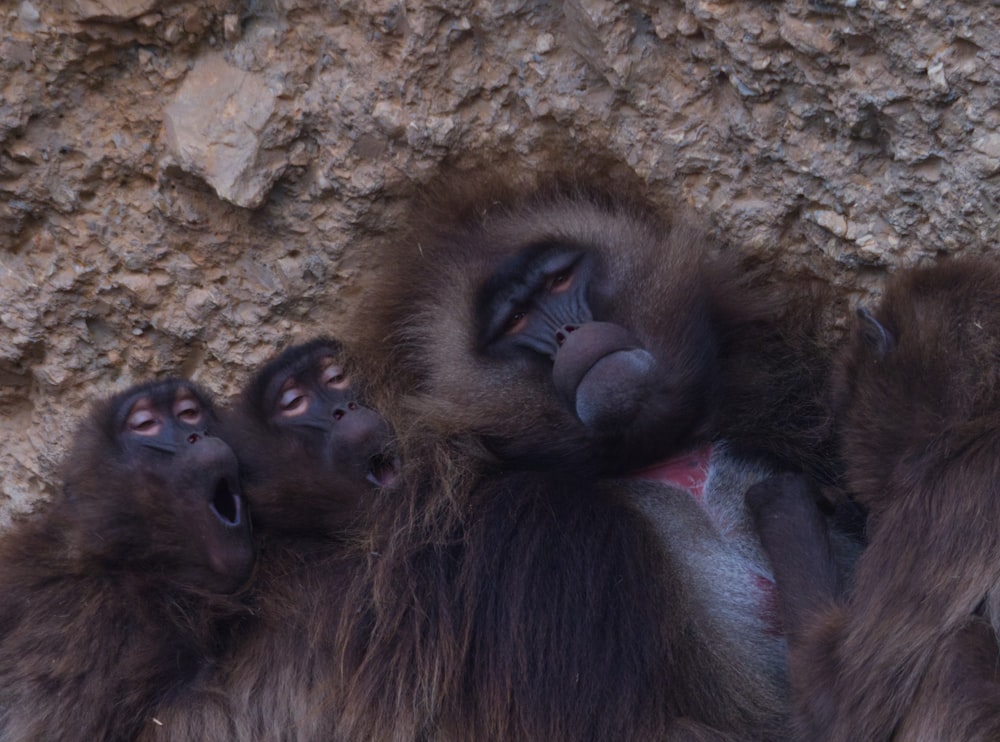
187 186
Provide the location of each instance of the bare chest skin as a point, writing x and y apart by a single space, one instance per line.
696 505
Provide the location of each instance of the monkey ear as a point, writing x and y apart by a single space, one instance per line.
875 334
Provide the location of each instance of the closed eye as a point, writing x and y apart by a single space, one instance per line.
294 401
332 374
188 411
142 420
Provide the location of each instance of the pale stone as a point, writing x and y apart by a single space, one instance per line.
687 25
808 38
114 10
829 220
215 128
545 43
28 14
231 29
935 73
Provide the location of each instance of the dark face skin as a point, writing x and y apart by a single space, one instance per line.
311 453
547 305
163 432
600 370
312 399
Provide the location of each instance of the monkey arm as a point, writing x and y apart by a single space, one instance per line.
796 537
930 563
959 697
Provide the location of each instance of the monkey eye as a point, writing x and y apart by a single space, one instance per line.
293 402
187 409
516 322
332 375
142 420
559 282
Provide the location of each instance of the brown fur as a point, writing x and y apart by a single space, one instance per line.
959 697
675 289
280 678
904 656
517 591
103 615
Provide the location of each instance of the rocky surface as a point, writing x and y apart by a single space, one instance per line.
187 186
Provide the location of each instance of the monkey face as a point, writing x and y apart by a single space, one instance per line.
177 495
538 302
542 304
314 401
312 451
586 338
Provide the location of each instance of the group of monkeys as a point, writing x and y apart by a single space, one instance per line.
619 486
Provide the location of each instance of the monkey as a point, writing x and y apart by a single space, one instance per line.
311 457
301 433
117 590
582 392
909 650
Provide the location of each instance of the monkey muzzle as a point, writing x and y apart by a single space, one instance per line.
219 521
602 373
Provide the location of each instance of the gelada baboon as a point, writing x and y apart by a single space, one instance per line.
310 451
909 652
115 594
311 458
534 348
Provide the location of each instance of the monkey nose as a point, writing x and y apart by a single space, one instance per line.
563 333
339 412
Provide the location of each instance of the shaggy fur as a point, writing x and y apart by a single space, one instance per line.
910 652
107 609
280 678
519 590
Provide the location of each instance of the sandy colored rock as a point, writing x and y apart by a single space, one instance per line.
186 187
218 127
114 10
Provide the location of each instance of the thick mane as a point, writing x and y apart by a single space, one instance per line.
767 394
418 262
551 591
514 590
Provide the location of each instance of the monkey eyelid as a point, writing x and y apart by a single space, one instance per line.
332 375
293 401
142 420
515 322
515 286
187 408
562 281
559 264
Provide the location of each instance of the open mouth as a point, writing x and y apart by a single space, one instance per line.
226 504
383 470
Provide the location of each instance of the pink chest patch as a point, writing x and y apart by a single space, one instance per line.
688 470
